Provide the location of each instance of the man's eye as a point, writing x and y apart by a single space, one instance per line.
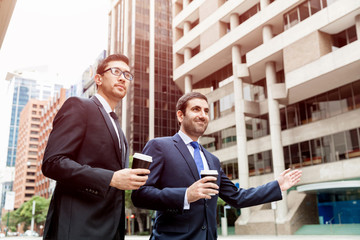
116 71
127 75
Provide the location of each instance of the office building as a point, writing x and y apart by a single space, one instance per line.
23 85
44 186
6 11
142 31
283 82
27 151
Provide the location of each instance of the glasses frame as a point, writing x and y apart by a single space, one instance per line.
113 69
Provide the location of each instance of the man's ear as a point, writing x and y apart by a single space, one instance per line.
98 79
180 116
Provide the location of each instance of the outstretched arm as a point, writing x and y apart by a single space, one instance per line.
288 178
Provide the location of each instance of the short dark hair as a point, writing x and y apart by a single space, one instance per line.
183 100
111 58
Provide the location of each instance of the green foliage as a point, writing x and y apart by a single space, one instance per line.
24 213
128 202
220 202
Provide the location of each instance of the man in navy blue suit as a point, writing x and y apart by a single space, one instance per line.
185 209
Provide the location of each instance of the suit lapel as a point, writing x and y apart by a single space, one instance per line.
209 159
184 151
124 148
111 129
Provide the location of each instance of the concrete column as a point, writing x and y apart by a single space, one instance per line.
275 136
267 33
187 57
152 72
234 20
187 54
264 3
357 26
187 27
242 156
113 31
188 83
126 53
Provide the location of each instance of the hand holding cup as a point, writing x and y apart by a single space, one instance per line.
209 173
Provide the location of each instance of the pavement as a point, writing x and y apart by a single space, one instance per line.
242 237
267 237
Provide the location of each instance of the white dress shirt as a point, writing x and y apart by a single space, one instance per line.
108 110
187 140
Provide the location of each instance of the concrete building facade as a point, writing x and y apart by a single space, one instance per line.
27 151
283 82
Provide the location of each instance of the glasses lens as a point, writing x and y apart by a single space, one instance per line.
116 71
128 75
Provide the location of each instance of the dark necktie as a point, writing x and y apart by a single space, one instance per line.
197 156
115 117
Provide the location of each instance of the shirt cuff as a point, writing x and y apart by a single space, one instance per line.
186 204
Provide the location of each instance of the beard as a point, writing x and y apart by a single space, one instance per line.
193 128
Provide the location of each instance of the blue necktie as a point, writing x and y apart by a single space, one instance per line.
197 157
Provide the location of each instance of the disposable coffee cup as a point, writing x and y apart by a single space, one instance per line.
141 161
209 173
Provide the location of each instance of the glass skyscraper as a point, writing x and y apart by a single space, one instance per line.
150 104
23 90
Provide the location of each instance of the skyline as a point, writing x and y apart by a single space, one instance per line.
64 36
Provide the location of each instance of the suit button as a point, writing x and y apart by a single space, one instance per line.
206 205
203 227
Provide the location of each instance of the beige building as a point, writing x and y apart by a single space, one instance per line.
44 186
27 151
283 82
6 11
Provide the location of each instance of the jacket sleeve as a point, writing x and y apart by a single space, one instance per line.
241 198
64 143
152 195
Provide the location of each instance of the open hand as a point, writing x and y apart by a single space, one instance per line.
288 178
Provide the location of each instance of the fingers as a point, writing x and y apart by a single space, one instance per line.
295 176
202 189
207 179
129 179
285 172
141 171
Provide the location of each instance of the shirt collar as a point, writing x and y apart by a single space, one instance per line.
187 140
104 103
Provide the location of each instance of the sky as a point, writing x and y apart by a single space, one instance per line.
64 35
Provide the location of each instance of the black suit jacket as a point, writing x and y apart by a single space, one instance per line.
81 155
173 170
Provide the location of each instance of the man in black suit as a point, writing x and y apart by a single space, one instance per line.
87 154
185 210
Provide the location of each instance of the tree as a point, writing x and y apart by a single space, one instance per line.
24 213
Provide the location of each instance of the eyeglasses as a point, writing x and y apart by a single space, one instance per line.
117 72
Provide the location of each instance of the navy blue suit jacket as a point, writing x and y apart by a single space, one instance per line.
173 170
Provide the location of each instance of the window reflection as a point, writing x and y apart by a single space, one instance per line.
326 105
260 163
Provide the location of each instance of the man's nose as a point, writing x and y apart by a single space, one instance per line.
121 78
203 114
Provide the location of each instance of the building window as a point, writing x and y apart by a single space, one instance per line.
344 38
303 11
260 163
249 13
332 103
